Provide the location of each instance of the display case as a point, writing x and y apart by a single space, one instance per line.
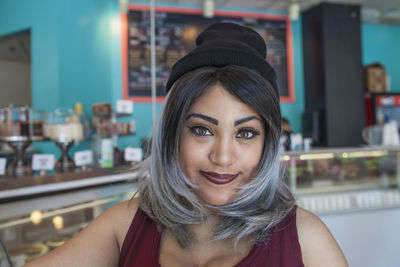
355 192
345 179
38 214
34 224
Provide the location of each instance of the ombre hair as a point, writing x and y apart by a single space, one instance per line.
168 196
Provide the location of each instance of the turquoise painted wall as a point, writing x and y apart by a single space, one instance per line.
293 111
382 44
76 55
41 18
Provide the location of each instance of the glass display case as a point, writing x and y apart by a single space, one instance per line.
345 179
33 227
36 219
355 192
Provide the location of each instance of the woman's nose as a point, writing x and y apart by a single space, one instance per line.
223 152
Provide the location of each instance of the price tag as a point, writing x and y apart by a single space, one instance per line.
84 157
124 106
43 162
133 154
3 163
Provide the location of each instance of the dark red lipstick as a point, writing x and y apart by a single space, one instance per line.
217 178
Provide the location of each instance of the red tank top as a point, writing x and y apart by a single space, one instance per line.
142 243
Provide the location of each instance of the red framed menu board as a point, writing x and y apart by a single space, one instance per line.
176 31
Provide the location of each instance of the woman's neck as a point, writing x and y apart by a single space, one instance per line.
203 232
203 249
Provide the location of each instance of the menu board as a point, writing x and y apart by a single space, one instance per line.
176 33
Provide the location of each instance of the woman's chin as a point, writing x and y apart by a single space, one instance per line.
217 200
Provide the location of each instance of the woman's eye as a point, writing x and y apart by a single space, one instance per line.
200 131
247 134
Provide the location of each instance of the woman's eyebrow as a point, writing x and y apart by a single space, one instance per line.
236 123
204 117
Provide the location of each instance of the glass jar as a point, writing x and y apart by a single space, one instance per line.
21 122
65 125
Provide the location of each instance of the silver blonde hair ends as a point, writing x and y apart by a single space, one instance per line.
167 196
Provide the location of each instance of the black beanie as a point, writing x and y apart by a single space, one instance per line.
223 44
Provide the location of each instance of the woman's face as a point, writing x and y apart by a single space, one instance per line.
221 144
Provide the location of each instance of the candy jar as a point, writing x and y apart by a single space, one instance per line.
19 126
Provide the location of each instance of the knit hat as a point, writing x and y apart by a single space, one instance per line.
224 44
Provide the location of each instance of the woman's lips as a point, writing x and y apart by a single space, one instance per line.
217 178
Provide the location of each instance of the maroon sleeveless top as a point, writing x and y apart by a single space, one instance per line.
142 244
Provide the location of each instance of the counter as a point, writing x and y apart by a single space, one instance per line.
38 214
27 187
355 191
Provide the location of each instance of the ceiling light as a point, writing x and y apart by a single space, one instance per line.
123 6
294 11
208 8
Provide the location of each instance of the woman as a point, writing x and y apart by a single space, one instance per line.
214 195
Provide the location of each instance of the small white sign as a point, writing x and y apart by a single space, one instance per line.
124 106
133 154
43 162
84 157
3 163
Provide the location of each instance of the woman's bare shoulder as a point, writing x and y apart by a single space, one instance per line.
318 246
122 214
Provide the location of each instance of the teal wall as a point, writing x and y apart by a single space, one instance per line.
293 111
382 44
76 56
41 18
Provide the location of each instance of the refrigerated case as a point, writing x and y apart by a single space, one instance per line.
345 179
33 224
355 191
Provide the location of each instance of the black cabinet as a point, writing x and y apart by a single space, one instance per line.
334 97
